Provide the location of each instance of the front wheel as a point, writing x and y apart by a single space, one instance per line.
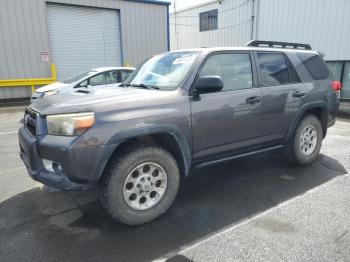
304 146
140 184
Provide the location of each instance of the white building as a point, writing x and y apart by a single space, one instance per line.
324 24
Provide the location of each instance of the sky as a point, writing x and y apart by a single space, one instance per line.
180 4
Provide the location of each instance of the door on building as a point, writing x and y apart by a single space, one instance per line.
83 38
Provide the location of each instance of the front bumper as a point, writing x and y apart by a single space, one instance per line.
34 165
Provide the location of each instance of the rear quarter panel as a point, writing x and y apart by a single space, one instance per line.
319 94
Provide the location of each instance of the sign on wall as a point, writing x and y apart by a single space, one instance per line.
44 56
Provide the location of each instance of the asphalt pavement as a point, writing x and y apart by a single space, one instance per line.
254 208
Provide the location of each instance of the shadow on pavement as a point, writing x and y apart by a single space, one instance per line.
178 258
42 225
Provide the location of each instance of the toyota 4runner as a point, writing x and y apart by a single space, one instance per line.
177 111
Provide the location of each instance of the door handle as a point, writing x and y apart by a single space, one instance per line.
253 100
298 93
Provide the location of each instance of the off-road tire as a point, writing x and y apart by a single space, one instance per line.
292 148
116 172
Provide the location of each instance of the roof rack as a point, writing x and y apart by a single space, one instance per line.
276 44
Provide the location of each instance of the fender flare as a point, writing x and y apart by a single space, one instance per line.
120 137
301 112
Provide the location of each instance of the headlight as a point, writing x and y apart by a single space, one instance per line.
69 124
50 93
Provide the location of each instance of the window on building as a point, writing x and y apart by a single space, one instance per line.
315 65
273 69
234 69
208 20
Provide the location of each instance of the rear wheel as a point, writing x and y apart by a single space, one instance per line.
140 184
305 144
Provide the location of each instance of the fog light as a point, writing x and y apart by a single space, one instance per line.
52 166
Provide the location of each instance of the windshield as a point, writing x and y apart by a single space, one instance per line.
79 76
165 71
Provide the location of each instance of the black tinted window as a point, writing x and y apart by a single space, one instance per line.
315 65
293 77
273 69
234 69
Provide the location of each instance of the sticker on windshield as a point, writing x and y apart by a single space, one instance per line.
184 59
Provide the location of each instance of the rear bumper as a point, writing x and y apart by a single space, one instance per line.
34 165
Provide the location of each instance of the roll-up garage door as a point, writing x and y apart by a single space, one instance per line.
82 38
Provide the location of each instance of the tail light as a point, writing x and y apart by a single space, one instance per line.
336 85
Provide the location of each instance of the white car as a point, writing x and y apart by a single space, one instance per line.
103 77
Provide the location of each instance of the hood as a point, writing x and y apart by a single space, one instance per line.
51 87
98 100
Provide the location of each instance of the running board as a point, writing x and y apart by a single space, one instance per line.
218 161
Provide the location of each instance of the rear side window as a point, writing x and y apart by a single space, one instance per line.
293 77
234 69
314 65
275 69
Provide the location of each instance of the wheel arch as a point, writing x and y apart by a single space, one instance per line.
168 137
319 109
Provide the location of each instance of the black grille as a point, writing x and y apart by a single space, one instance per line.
30 117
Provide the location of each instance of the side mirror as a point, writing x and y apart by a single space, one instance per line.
209 84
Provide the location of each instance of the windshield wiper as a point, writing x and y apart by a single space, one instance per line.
142 86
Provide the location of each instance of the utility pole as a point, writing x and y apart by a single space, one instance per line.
253 20
175 21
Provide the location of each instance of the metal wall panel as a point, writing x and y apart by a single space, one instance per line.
24 34
322 23
325 24
234 25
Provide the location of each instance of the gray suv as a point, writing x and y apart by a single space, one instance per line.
180 110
